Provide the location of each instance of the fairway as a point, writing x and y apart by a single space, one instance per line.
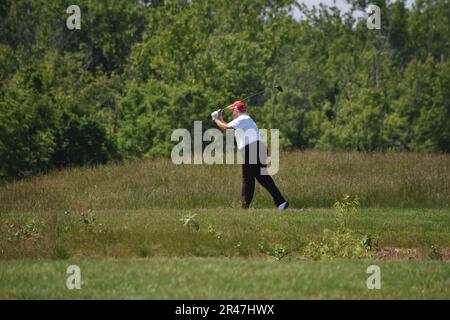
221 278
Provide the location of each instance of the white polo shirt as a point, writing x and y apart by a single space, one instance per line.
246 130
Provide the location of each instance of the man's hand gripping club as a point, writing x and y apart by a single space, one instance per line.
217 116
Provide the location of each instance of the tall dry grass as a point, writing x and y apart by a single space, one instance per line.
308 179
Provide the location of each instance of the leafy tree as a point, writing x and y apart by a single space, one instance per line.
139 69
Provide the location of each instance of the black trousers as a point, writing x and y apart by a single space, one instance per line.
251 171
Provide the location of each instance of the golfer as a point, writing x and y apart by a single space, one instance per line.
254 155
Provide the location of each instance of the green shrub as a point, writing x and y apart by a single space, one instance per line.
342 242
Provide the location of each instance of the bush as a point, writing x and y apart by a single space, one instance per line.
342 242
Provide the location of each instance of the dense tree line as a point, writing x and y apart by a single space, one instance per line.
137 70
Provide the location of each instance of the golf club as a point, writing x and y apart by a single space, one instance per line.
278 87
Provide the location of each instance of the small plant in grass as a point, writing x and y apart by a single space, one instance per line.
342 242
371 242
279 252
436 253
89 221
30 230
212 231
411 254
240 248
346 209
262 246
190 222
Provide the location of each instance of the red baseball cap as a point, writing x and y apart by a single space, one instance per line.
240 105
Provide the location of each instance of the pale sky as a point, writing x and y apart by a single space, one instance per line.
341 4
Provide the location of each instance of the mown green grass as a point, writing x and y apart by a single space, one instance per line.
239 278
222 233
310 179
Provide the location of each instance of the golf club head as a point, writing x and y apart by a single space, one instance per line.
279 88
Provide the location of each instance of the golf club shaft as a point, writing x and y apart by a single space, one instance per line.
278 87
245 99
254 95
226 108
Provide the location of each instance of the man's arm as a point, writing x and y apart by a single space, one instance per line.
221 123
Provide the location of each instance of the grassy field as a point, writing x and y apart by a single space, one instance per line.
308 179
124 225
221 233
223 278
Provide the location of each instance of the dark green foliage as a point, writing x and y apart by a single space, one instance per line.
137 70
81 142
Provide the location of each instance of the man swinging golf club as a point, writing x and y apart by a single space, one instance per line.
254 152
